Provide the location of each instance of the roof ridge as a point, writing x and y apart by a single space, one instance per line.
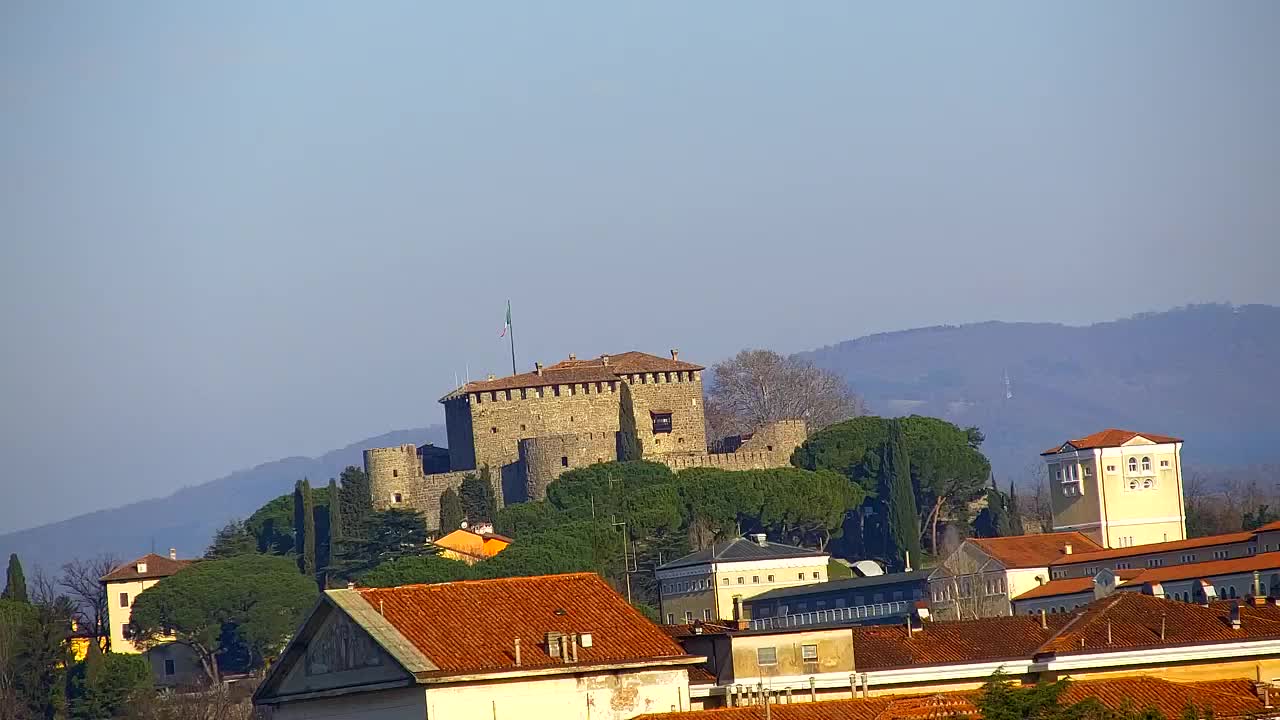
477 581
1070 625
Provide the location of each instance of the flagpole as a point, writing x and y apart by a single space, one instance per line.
511 330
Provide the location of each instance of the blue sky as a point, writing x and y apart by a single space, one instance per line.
237 231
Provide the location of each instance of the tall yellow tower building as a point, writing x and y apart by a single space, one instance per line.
1118 487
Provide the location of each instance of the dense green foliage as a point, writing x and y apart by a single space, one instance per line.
596 516
479 504
15 586
106 685
451 513
254 601
947 471
233 539
384 536
332 548
307 533
40 655
1002 699
272 525
902 523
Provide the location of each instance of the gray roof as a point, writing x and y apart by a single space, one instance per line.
742 550
842 585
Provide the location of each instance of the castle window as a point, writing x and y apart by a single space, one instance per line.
397 498
555 390
661 422
493 430
493 395
524 393
523 426
395 473
679 441
564 461
508 394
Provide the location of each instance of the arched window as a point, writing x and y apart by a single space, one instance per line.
1146 464
1231 590
1133 484
1133 465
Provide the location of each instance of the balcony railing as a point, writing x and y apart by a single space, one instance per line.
834 615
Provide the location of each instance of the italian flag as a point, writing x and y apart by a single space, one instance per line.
507 327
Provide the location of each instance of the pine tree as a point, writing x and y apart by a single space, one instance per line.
451 512
903 519
357 500
478 501
15 587
308 531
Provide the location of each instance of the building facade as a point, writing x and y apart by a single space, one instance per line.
1119 487
714 583
171 663
551 647
527 429
872 599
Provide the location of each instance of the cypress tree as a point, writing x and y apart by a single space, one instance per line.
477 496
298 521
308 531
1012 518
335 523
15 587
903 518
451 512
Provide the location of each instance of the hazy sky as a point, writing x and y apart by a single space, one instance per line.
237 231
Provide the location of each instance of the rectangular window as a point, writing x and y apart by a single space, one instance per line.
1111 468
124 599
770 578
1164 463
169 668
800 576
671 618
564 462
742 580
706 614
688 616
1123 566
766 656
809 653
755 579
817 576
725 581
1220 554
661 422
1188 558
897 594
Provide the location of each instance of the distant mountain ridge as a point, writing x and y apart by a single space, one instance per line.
187 519
1209 374
1206 373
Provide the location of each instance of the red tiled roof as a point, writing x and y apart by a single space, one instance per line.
883 647
1152 548
1071 586
1227 698
687 630
1129 620
158 566
1111 437
471 626
580 371
1028 551
1211 568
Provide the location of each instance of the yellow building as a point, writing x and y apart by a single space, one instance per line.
1119 487
555 647
471 545
171 663
711 584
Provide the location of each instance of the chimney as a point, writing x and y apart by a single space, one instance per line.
1044 619
922 610
573 356
1235 616
491 376
759 539
675 354
605 360
173 554
573 646
1162 625
538 367
1066 549
517 652
352 586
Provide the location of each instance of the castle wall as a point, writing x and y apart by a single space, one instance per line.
543 459
679 393
784 435
457 423
396 480
499 423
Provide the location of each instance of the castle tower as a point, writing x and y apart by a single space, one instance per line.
1121 488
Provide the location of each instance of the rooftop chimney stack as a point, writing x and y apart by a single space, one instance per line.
173 554
538 367
1235 616
675 354
759 539
573 356
491 376
517 652
605 360
1044 619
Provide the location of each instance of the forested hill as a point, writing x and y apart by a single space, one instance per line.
1209 374
188 518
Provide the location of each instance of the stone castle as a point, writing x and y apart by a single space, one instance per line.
530 427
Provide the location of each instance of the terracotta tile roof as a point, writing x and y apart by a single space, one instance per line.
1212 568
695 629
1111 437
699 675
1029 551
579 371
1228 698
471 626
158 566
1128 620
1152 548
883 647
1071 586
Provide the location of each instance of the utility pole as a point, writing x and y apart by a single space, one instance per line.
626 564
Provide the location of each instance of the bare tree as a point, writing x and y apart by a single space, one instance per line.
83 581
756 387
219 702
43 588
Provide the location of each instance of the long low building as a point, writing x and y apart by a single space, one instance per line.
1123 634
1249 576
1226 699
871 599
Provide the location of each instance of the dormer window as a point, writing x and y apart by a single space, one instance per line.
142 567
